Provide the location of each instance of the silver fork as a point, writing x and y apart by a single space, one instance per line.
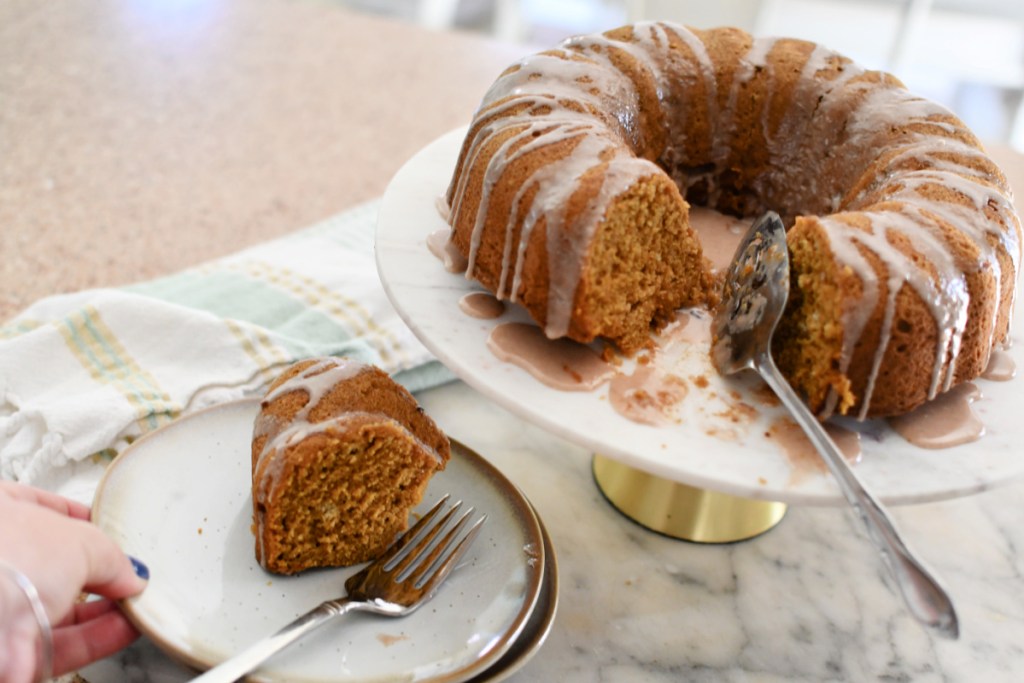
398 582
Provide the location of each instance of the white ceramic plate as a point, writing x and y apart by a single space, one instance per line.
427 296
537 628
179 499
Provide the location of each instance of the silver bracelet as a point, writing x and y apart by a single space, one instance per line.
45 632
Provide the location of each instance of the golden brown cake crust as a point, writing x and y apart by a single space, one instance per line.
340 455
902 230
368 390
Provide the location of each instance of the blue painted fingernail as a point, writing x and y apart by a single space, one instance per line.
141 570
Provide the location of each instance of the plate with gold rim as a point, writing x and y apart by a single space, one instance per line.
180 500
721 436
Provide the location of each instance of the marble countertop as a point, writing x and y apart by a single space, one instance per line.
807 601
140 138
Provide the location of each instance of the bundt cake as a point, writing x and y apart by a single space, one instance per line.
572 189
341 453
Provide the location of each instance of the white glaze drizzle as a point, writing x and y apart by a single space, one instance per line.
946 296
315 381
749 65
796 145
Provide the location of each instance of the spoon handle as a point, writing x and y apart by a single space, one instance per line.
926 598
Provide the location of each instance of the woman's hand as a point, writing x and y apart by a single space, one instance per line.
50 540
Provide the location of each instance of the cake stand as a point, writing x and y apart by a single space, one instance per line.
706 477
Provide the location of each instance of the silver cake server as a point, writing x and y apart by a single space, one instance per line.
754 298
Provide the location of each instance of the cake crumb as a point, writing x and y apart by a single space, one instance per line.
388 640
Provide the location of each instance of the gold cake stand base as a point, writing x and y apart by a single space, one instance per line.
683 511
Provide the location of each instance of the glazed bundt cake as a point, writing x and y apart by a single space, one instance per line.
572 189
341 453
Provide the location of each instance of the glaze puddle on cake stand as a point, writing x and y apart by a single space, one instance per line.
706 451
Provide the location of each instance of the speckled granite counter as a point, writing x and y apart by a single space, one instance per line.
140 138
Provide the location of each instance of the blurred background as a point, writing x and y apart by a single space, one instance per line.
965 54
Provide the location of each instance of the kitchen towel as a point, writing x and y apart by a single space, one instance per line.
84 374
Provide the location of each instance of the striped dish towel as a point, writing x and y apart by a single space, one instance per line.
82 375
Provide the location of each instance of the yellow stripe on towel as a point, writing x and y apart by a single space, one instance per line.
346 310
106 360
257 344
19 328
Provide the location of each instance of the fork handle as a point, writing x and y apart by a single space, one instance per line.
262 650
924 595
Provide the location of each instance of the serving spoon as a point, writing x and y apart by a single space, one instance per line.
755 295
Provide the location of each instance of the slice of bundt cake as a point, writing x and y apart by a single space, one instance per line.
341 453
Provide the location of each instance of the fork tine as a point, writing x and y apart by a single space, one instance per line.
426 562
406 538
426 553
448 563
425 566
425 539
